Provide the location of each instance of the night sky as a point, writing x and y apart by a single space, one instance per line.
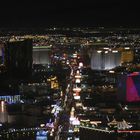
69 13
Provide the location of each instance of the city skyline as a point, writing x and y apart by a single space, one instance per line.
69 80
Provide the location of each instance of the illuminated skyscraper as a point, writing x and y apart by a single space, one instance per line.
101 59
3 112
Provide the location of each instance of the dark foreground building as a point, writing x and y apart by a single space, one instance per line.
18 58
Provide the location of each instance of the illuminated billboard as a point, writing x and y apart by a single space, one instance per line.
42 135
129 87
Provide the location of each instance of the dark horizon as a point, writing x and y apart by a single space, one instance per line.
69 13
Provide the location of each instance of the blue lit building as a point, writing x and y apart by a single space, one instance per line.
10 99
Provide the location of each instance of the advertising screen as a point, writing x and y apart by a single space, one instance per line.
133 88
41 135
